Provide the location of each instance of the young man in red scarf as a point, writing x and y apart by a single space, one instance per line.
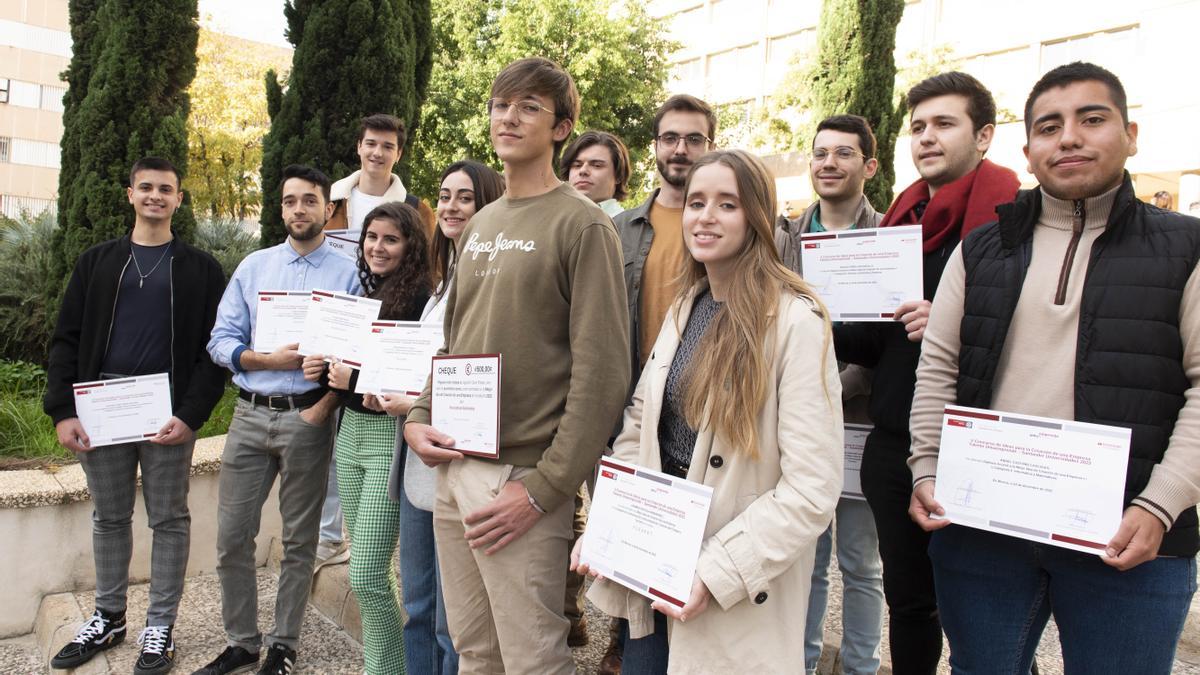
953 119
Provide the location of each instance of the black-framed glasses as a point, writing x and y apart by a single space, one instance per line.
527 109
693 141
840 153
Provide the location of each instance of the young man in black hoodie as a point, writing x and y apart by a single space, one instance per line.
140 304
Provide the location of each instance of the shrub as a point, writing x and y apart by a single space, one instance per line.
25 266
227 241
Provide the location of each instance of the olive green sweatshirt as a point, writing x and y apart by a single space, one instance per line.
540 281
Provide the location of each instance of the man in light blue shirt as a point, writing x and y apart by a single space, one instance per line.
283 425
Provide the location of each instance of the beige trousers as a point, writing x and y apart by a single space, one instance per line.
505 611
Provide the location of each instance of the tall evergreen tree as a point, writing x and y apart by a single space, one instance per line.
855 73
353 58
131 64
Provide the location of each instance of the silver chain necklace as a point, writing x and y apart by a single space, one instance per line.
142 277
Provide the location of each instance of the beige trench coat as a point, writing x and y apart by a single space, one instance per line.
766 514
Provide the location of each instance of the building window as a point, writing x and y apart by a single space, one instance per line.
1114 49
13 206
35 38
5 145
782 50
4 85
52 97
24 94
34 153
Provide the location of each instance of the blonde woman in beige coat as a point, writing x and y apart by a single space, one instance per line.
741 393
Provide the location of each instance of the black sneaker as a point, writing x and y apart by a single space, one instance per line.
232 660
280 661
158 650
102 631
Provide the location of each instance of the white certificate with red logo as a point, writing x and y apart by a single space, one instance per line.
126 410
398 357
337 325
1052 481
864 275
855 441
644 530
465 402
279 319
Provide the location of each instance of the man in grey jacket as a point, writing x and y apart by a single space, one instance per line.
842 160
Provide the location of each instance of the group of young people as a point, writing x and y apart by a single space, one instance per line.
690 313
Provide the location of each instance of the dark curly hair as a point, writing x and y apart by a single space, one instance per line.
404 291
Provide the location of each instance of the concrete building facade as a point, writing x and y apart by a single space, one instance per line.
738 51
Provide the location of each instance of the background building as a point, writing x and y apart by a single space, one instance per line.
738 51
35 47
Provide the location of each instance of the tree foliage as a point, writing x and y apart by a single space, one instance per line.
131 66
855 72
352 58
613 49
227 123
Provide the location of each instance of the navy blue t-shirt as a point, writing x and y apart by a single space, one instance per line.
140 341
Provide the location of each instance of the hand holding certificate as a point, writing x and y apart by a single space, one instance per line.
465 402
123 411
645 529
397 357
864 275
1052 481
337 326
279 319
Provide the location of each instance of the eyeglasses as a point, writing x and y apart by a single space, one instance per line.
841 154
694 141
527 110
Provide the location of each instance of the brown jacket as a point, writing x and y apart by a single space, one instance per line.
766 514
339 194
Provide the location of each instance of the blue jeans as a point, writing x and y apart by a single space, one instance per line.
331 509
862 591
996 593
647 655
426 637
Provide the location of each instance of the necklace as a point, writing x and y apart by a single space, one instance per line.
142 277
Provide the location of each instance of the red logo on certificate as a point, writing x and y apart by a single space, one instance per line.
812 246
958 423
607 474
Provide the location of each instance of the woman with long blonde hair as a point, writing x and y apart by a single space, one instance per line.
741 393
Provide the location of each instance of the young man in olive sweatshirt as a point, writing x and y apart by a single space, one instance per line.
540 281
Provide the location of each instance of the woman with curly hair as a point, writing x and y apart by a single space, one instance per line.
393 265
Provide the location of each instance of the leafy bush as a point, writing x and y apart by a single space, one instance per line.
26 268
227 241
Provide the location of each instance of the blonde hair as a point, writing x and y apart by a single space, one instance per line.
729 376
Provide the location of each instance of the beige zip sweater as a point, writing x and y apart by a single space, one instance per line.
540 280
1036 373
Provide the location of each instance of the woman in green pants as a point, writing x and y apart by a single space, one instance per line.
393 264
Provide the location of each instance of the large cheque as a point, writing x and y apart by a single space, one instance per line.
398 357
1052 481
644 530
855 441
279 319
337 326
123 411
344 242
464 402
864 275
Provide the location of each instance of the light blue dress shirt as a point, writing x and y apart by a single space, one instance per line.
277 268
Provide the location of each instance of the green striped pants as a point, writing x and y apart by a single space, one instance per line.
364 455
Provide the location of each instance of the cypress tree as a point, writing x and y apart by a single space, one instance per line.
131 64
352 58
856 73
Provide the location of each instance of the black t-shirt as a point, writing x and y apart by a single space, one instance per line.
140 341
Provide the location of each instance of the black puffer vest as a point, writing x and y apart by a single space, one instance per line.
1128 363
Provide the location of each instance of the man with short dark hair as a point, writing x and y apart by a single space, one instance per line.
502 525
597 164
282 427
842 160
1080 303
951 124
137 305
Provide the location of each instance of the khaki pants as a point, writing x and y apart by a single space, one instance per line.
505 610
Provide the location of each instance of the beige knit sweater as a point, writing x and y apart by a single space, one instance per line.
1036 373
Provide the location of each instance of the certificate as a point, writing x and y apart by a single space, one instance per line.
344 242
398 357
337 325
856 439
279 319
644 530
465 402
123 411
1052 481
864 275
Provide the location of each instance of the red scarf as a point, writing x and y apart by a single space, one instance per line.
958 207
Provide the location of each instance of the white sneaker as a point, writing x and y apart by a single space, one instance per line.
331 553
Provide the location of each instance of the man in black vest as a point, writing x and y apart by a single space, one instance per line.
1081 303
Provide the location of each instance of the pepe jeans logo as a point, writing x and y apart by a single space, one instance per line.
493 248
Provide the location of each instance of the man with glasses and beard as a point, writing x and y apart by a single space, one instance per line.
281 426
